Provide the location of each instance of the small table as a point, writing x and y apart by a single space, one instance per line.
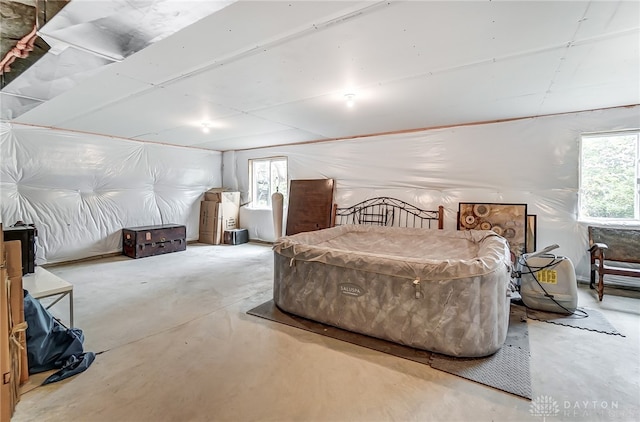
43 283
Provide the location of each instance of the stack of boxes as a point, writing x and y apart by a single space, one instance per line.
218 212
14 368
6 408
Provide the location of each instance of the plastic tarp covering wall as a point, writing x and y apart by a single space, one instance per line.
80 190
260 223
533 161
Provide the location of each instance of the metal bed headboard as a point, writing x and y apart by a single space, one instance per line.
385 211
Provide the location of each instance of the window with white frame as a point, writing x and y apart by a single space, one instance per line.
267 176
609 184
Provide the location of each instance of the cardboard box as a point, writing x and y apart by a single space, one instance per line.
214 194
228 215
222 195
208 222
218 195
6 401
218 212
14 261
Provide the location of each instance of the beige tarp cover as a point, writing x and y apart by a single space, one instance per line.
444 291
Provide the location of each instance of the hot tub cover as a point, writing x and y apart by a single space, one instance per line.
443 291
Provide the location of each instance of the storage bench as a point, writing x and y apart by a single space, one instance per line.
143 241
609 246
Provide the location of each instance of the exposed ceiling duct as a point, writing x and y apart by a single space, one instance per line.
20 46
81 39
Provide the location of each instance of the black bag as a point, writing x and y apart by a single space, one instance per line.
50 345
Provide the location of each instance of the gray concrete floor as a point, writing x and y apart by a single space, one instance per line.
179 346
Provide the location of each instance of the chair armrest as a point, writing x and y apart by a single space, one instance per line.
597 246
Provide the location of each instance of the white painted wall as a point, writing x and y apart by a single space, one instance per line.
80 190
533 161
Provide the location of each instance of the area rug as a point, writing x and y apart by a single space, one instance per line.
593 321
506 370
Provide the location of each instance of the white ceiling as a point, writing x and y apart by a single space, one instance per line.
269 72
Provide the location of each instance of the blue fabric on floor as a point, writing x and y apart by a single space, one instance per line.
50 345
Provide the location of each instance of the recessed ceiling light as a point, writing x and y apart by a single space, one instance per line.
206 127
351 99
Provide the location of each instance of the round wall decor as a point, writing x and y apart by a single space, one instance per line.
481 210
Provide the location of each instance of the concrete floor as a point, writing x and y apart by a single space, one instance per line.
179 346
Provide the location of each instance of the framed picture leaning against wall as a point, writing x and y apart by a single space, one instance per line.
507 220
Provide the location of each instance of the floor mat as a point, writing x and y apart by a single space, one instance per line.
594 321
506 370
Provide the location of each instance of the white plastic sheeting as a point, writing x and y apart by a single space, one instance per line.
533 161
259 223
80 190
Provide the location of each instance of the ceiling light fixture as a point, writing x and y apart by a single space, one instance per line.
206 127
350 98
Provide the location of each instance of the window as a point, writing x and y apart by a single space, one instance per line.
609 176
267 176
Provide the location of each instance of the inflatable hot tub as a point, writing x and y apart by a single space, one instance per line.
441 291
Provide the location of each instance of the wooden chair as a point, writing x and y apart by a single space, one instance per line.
609 246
